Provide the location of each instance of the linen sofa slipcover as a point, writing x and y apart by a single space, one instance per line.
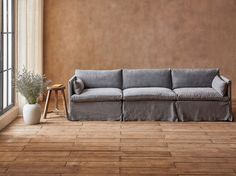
149 87
100 100
197 100
151 94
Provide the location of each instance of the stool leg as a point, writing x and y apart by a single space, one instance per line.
64 97
46 104
56 100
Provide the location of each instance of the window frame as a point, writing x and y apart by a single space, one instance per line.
7 33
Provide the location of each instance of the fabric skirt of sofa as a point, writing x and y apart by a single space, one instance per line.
149 110
96 111
204 111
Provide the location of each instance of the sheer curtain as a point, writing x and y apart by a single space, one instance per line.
29 38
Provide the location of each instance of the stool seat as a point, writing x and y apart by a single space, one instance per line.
55 88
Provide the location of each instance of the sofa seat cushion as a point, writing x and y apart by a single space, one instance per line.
199 93
98 94
150 93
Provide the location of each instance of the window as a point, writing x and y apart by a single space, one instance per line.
6 55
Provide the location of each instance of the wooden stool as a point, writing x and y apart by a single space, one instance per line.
55 88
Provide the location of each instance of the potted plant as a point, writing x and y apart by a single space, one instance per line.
31 86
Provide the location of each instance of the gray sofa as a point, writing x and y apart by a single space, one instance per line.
150 94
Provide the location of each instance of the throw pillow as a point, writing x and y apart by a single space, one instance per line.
78 86
219 85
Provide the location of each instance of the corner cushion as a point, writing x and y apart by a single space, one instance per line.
150 93
98 94
199 93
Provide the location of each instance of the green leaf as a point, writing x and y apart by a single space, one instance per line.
30 85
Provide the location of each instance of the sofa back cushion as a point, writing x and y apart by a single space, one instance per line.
193 77
100 78
146 78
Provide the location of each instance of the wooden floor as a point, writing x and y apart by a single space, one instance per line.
58 147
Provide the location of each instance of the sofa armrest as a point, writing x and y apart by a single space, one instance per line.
228 81
225 79
70 87
229 92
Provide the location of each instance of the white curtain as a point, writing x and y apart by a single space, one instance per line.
29 38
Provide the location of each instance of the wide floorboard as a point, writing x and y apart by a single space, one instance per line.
58 147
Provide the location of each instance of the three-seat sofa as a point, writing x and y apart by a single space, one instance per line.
150 94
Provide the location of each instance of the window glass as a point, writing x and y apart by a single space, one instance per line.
6 55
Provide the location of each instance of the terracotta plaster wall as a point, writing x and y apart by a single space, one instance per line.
109 34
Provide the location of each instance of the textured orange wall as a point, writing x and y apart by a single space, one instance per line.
108 34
